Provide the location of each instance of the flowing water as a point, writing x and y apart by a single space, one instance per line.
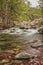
15 37
21 36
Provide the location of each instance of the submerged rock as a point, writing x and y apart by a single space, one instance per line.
17 61
37 44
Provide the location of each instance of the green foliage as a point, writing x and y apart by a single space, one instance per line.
41 6
17 10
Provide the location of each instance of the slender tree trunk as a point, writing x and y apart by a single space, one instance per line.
4 14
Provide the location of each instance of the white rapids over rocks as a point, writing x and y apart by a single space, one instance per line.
19 31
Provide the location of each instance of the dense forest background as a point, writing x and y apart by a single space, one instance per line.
18 10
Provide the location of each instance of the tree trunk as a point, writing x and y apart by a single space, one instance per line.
4 15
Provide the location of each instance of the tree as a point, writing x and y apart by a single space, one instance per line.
41 6
13 10
4 11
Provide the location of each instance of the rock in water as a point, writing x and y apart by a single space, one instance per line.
22 55
37 44
41 30
32 53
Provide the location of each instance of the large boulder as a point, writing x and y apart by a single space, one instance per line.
32 53
24 25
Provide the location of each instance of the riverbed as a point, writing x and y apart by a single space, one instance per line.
19 36
15 37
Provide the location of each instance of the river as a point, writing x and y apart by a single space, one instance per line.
15 38
20 35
